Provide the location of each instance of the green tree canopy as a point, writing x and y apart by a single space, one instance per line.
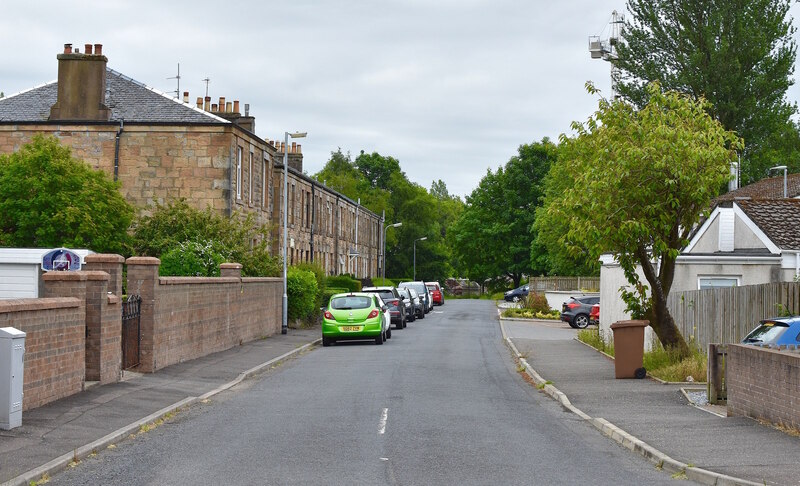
382 186
493 235
646 178
50 199
737 54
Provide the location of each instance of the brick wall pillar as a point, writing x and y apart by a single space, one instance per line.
230 270
143 281
109 263
69 284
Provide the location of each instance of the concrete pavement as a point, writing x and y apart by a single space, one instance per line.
54 435
651 418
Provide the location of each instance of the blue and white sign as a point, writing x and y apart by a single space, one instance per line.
61 259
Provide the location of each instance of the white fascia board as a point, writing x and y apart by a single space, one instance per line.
693 242
772 247
728 259
31 255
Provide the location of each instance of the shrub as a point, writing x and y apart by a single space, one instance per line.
176 222
536 303
301 290
193 259
319 276
344 281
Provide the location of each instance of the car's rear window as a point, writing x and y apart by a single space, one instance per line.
385 294
766 333
418 287
351 302
431 287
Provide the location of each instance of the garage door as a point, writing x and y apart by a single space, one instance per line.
19 281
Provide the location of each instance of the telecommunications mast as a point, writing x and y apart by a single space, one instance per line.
606 48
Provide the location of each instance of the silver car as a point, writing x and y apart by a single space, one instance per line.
422 291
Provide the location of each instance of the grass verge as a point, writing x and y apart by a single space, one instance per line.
660 363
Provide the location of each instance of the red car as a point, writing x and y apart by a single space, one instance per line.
436 292
594 315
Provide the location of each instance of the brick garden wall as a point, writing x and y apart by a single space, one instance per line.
764 384
184 318
54 346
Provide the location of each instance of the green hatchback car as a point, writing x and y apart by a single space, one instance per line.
355 315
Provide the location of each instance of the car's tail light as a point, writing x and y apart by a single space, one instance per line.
373 314
573 305
394 301
328 316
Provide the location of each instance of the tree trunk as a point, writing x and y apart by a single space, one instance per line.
660 319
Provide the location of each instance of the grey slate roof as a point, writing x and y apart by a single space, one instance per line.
129 100
779 219
771 188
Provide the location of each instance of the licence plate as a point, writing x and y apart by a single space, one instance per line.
351 328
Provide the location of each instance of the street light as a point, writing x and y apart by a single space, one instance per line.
415 256
285 321
384 246
785 185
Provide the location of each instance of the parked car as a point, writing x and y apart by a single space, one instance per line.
517 294
419 305
356 315
437 296
576 310
408 303
776 332
422 291
394 300
594 315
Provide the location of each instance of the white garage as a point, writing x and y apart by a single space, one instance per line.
20 271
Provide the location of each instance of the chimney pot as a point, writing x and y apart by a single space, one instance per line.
236 106
87 49
247 109
185 96
207 105
200 102
214 107
294 148
67 48
229 107
222 104
299 149
98 49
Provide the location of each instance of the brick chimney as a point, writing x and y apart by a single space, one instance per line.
81 85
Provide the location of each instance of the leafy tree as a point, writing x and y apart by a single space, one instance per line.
493 235
737 54
169 225
646 177
50 199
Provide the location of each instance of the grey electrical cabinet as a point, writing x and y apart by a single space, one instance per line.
12 351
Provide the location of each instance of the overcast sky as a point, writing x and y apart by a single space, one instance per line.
448 87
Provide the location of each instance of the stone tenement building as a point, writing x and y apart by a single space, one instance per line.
161 148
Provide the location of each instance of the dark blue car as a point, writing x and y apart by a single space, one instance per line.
776 332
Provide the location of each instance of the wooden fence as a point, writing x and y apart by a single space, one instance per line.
726 315
550 284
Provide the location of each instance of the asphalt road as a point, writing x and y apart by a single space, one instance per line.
439 403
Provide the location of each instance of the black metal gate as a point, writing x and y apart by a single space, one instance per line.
131 331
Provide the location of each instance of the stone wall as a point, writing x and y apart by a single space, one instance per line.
184 318
764 384
54 346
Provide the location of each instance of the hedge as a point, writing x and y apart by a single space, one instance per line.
301 290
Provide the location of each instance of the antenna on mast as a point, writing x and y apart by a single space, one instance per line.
606 49
178 77
206 80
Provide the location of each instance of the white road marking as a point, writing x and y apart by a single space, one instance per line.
382 422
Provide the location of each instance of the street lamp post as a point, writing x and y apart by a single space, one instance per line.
415 256
383 267
285 318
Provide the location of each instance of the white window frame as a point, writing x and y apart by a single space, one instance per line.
250 179
736 280
238 172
